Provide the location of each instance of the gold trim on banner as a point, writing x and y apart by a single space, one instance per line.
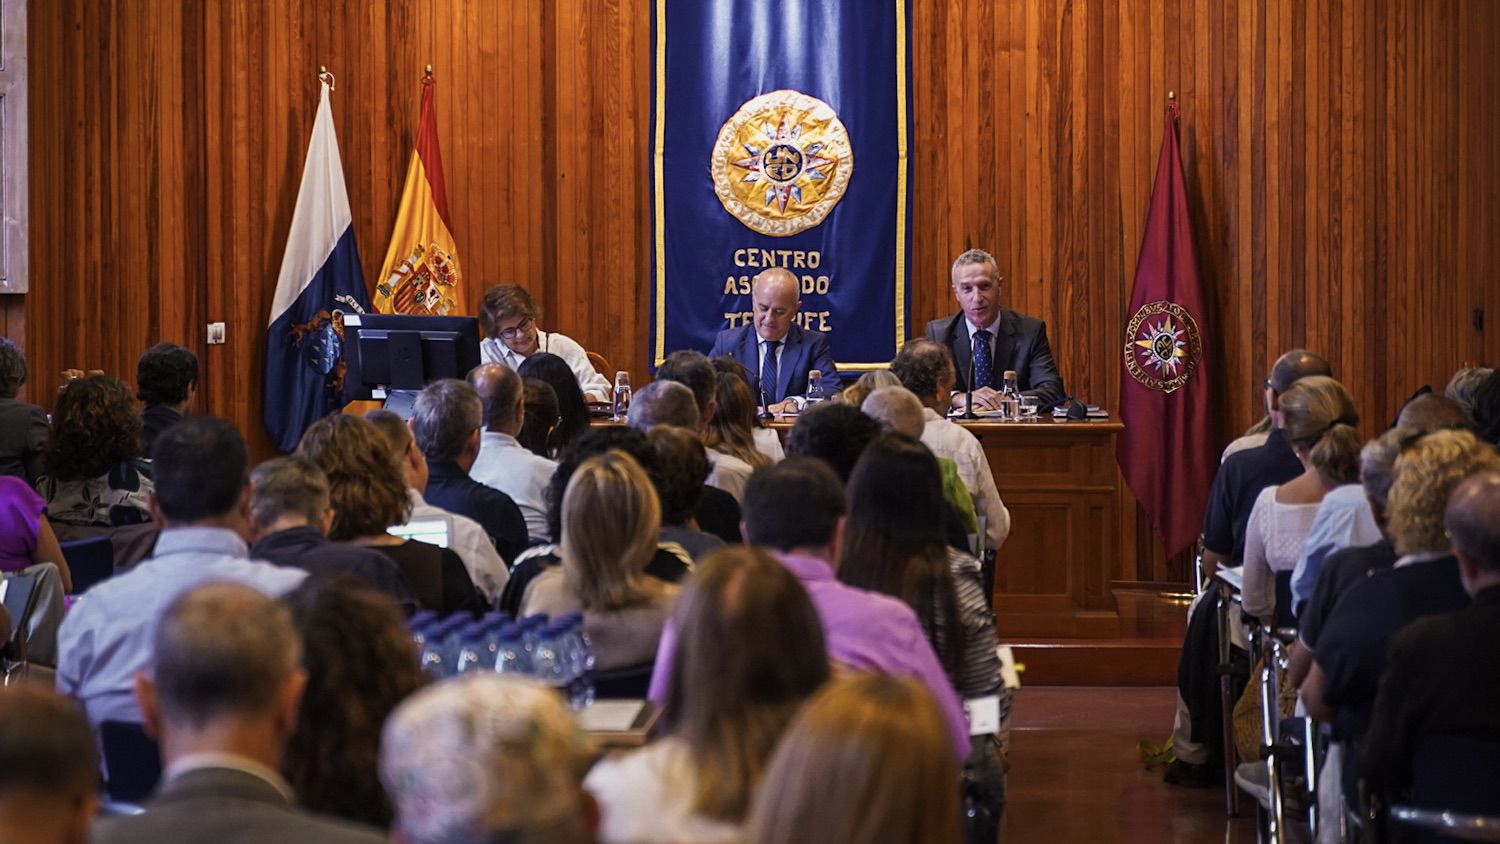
660 143
900 173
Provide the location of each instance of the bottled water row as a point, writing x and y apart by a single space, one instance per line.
556 652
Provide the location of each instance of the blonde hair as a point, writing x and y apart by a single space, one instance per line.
870 759
1318 416
1426 474
868 383
610 520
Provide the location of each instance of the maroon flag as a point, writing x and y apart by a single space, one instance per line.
1166 451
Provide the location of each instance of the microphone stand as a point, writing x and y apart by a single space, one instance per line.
969 391
765 406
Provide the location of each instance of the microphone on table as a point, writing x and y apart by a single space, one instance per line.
969 387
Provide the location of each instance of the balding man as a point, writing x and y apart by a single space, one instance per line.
778 353
503 463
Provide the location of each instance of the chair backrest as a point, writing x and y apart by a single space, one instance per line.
602 366
132 761
629 683
91 561
20 600
1284 616
1456 773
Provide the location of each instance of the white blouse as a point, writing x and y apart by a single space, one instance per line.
595 386
1273 543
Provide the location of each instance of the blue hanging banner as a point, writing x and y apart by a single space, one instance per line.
779 139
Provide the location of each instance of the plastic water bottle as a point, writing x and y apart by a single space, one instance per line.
472 651
510 654
580 663
548 663
621 406
531 631
815 386
436 656
1010 397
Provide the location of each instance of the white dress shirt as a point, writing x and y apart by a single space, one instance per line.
506 465
469 541
595 387
950 440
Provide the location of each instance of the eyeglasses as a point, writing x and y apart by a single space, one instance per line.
519 328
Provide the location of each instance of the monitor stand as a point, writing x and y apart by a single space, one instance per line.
402 402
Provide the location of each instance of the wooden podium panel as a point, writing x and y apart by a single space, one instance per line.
1061 484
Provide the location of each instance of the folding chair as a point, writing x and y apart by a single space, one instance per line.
20 600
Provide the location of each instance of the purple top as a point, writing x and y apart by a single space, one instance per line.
865 631
20 522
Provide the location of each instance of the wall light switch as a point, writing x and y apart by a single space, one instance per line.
216 334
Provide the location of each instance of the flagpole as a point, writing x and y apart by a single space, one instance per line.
325 77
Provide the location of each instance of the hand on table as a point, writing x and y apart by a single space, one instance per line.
985 398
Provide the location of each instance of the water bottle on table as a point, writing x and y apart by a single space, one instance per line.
622 396
1010 397
815 386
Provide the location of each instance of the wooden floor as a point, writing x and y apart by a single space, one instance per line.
1144 654
1075 775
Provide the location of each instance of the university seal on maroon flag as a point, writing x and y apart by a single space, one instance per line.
1162 346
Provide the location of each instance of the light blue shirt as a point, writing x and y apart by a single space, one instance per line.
1344 520
107 637
506 465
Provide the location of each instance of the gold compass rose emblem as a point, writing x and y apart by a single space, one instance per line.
782 162
1162 346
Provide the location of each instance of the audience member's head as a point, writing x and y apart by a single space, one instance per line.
663 403
12 369
597 441
288 492
682 467
856 393
360 663
795 505
49 769
610 520
691 369
541 419
166 374
365 485
94 426
925 368
730 366
1294 366
501 393
1377 468
486 758
1464 386
896 408
749 651
1426 473
1472 519
868 760
1432 412
1318 417
833 432
732 427
1486 408
202 474
446 419
572 407
226 675
410 462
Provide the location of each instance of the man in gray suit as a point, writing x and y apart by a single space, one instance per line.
222 699
994 339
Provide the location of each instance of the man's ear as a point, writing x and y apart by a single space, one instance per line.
744 533
327 523
155 509
837 544
289 700
145 697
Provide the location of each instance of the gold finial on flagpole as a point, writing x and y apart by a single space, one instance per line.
325 77
427 75
1171 95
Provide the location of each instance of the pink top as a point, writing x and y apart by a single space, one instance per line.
20 521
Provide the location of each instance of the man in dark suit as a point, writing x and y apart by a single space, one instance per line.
222 699
776 351
1010 340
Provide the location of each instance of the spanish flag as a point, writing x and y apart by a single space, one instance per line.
421 272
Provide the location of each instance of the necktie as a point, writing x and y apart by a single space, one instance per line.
768 373
984 364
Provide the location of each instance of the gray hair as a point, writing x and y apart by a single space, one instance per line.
664 403
973 256
924 367
288 486
898 409
1377 463
222 650
12 369
1464 384
1472 518
447 411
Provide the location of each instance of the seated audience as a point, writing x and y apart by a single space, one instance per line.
368 494
466 537
898 409
290 517
864 763
1486 408
572 407
692 369
49 769
610 520
487 758
166 377
1317 419
23 426
670 403
221 697
894 544
542 417
1341 684
749 652
665 565
503 463
26 537
1464 385
766 440
92 471
795 509
834 433
681 468
445 424
360 662
1441 682
202 500
731 430
509 316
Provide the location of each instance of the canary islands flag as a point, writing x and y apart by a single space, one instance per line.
320 282
421 273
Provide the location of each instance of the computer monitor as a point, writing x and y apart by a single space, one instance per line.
392 356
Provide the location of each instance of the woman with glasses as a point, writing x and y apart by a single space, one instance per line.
508 315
